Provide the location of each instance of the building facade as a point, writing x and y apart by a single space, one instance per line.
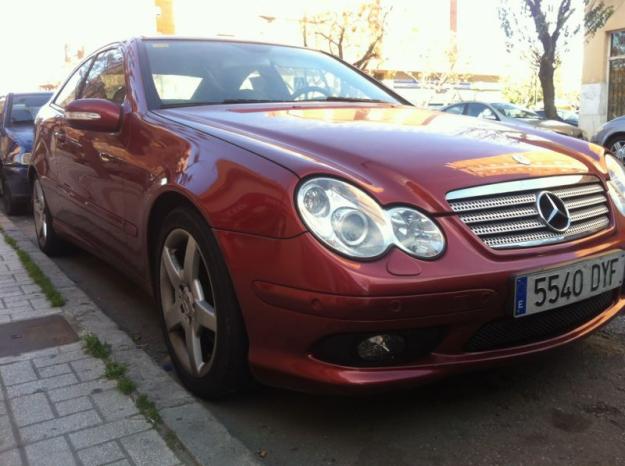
603 77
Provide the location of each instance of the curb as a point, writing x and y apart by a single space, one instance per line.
201 434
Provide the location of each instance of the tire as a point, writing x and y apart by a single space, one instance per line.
199 308
11 206
616 145
49 242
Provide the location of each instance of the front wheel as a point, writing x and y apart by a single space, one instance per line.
616 145
201 319
49 242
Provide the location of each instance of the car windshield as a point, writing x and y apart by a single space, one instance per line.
194 72
24 108
512 111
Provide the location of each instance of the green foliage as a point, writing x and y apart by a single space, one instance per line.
94 347
148 409
54 297
114 370
125 385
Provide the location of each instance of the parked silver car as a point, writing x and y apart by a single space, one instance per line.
513 114
612 136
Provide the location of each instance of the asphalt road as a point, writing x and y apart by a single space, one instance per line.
565 407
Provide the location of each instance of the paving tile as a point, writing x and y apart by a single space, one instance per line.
3 409
59 358
107 432
120 463
52 452
51 371
41 385
7 439
18 372
27 356
114 405
149 448
30 409
59 426
88 369
80 389
74 405
101 454
11 458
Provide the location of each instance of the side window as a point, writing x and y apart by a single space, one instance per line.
71 90
481 111
455 109
106 78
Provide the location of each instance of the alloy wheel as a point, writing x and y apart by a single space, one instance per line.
188 303
618 149
39 212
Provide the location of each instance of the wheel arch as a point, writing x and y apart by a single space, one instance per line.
164 203
612 137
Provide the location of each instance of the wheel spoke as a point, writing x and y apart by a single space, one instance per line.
191 263
173 317
205 315
171 267
194 350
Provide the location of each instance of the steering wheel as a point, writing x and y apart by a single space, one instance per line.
305 91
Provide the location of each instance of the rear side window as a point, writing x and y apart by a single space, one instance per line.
106 78
71 90
455 109
481 111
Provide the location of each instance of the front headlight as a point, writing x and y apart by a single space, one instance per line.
349 221
18 157
616 183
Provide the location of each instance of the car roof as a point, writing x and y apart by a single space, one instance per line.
215 39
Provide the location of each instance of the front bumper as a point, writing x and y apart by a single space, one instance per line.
294 293
16 179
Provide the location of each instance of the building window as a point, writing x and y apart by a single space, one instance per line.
616 90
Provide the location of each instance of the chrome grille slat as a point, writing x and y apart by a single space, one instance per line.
547 237
503 218
580 215
585 202
503 214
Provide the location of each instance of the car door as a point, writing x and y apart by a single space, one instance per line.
97 159
56 139
3 138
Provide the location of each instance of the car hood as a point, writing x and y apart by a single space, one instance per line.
21 135
555 125
397 153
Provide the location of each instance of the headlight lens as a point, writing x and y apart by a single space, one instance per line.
415 233
351 222
616 184
18 156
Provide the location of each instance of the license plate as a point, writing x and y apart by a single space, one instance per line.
552 288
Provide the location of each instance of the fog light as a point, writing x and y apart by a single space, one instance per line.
380 348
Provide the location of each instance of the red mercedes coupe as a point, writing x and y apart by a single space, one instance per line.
301 224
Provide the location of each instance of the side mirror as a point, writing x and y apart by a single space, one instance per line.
94 115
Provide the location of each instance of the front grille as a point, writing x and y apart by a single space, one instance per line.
505 215
512 331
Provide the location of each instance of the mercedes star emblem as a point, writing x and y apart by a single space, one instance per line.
553 212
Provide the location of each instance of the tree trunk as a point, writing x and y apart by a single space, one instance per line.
546 73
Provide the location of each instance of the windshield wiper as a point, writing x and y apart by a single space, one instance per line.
347 99
221 102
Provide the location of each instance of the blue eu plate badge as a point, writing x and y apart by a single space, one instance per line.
520 296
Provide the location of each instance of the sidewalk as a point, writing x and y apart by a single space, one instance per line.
56 406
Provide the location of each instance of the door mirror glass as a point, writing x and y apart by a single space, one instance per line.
93 115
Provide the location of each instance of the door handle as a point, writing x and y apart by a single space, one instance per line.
60 136
107 158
